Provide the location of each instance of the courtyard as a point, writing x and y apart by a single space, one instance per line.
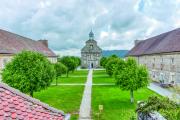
68 93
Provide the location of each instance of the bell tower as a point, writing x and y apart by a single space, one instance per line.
91 35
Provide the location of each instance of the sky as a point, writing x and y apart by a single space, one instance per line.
67 23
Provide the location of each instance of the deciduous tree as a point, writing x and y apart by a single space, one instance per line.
111 65
29 72
132 77
69 63
60 69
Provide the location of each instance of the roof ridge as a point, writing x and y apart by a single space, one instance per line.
167 32
18 35
34 100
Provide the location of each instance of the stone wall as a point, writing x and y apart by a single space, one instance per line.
150 116
162 67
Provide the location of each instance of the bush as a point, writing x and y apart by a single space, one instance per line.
169 109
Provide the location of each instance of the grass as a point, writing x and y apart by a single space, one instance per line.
71 80
99 72
65 98
78 76
116 103
100 76
103 80
79 73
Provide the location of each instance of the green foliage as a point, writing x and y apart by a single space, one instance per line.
69 62
130 76
103 61
29 71
169 109
60 69
77 60
111 65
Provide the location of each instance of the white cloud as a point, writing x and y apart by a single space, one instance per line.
66 23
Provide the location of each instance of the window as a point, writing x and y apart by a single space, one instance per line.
91 46
172 60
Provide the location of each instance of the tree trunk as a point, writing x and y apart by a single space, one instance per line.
67 74
56 81
132 96
31 93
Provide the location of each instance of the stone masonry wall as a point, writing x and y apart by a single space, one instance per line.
162 67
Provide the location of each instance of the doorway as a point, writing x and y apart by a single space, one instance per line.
92 66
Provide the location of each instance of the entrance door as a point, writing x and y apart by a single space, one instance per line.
92 66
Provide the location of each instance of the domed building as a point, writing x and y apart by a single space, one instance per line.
91 53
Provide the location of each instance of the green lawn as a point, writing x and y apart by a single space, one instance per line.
71 80
103 80
78 76
100 76
99 72
66 98
116 103
79 73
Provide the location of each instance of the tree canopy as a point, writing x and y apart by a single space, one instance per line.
111 65
103 61
29 72
70 62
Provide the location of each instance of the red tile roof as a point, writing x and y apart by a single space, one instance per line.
11 43
163 43
15 105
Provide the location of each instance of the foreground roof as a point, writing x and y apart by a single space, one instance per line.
11 43
17 106
163 43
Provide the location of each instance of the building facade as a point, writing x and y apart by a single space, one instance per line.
161 55
91 53
11 44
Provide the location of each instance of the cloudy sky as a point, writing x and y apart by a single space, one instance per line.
66 23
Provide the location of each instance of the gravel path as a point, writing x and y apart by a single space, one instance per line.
85 108
162 91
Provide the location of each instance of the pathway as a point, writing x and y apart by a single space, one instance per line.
85 108
162 91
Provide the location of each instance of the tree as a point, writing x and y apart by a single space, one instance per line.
132 77
29 72
77 60
69 63
60 69
111 65
103 61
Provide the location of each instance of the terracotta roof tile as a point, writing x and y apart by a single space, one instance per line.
18 106
163 43
11 43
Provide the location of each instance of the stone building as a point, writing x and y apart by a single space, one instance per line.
11 44
161 55
91 53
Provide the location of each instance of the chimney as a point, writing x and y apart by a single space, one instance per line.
136 42
45 42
